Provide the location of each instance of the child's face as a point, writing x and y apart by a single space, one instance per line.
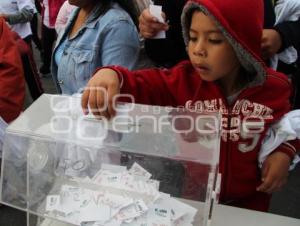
209 51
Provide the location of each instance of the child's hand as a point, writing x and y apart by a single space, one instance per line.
274 172
99 93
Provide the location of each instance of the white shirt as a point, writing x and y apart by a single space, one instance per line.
35 11
63 16
13 7
46 16
288 128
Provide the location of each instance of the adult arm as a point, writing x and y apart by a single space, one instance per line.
24 14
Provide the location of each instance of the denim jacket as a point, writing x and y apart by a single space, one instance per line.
110 39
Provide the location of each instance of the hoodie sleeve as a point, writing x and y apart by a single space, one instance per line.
12 85
154 86
279 101
146 86
291 148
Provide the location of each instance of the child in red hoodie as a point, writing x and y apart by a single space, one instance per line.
225 73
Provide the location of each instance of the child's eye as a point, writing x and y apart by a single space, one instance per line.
215 41
193 39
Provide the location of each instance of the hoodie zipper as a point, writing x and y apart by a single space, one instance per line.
226 175
227 151
228 108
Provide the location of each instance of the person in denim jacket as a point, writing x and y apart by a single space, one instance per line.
98 33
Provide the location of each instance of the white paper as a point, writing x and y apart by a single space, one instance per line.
141 221
153 183
159 215
138 171
112 222
86 207
52 202
178 209
71 218
95 212
134 210
71 199
116 202
156 10
113 168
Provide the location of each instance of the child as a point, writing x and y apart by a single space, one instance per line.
225 73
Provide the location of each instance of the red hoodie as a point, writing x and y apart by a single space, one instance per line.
267 96
12 84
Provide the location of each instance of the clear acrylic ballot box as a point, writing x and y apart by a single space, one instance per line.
147 166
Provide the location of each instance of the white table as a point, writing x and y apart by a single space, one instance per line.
231 216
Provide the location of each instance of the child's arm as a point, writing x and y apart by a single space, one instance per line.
276 166
152 86
274 172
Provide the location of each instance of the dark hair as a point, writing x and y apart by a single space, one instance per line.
247 76
127 5
189 19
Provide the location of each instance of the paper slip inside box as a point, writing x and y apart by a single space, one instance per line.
86 207
135 179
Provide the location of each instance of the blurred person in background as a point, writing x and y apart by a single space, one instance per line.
12 85
18 14
98 33
34 24
50 9
281 41
171 50
63 17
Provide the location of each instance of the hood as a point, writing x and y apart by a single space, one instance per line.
241 22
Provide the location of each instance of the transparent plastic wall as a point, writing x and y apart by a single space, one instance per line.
147 165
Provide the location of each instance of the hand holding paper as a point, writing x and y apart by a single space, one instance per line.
152 22
156 11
